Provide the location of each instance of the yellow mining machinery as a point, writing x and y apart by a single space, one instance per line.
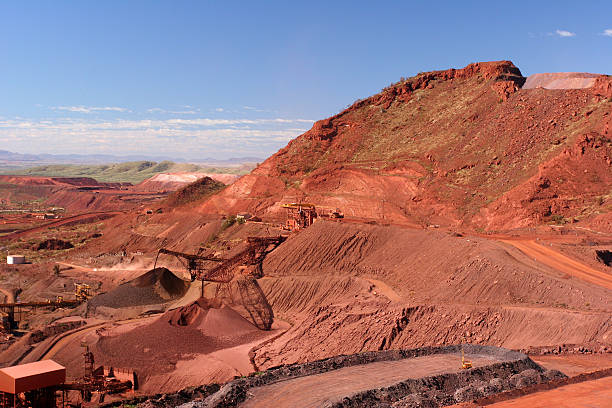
465 364
82 291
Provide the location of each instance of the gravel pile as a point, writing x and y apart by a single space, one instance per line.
157 286
199 328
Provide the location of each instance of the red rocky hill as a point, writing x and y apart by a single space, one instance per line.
457 147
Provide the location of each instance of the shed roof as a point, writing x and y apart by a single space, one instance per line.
26 377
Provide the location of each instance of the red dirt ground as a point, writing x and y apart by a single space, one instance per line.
320 389
200 328
589 394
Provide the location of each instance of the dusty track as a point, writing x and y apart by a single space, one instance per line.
316 390
588 394
60 222
66 338
562 263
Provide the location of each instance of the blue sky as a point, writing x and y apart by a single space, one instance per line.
198 79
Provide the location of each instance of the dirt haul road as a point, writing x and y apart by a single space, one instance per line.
67 220
562 263
315 390
589 394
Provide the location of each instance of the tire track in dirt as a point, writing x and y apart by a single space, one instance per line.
561 262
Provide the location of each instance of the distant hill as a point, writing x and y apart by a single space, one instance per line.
132 172
12 159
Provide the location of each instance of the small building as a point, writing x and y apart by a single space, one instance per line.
40 380
243 216
15 259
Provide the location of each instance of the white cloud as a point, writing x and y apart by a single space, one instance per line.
607 32
219 110
175 112
179 137
565 33
90 109
254 109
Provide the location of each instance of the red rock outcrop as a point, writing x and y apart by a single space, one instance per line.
444 147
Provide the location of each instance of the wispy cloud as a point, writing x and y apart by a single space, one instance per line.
565 33
252 108
90 109
607 32
181 137
175 112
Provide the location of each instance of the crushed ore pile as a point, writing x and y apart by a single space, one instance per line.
199 328
157 286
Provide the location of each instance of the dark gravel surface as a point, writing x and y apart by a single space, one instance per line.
146 289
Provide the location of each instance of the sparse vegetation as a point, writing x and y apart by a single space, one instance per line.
195 191
558 219
229 221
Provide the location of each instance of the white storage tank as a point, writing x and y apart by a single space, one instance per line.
15 259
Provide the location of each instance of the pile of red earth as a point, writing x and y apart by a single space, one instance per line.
199 328
157 286
195 191
53 244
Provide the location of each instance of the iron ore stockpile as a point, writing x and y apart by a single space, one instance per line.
157 286
199 328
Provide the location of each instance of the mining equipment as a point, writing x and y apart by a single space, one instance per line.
82 291
240 271
95 380
332 213
465 364
15 311
299 215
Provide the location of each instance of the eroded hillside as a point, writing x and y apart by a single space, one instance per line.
457 147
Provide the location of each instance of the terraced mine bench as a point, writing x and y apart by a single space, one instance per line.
393 378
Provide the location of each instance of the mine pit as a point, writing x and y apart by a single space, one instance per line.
434 376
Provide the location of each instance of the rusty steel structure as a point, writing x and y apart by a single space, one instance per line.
299 215
95 380
15 311
194 263
82 291
241 272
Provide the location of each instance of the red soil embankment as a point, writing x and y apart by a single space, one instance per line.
75 219
445 289
562 263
